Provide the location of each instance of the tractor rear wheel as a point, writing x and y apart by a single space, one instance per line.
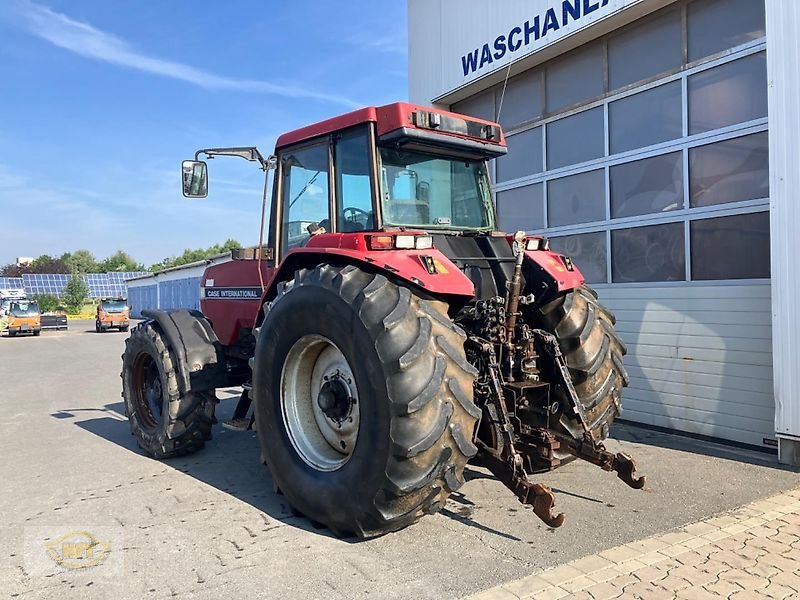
363 400
164 421
593 352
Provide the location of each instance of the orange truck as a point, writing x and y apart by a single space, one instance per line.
112 313
24 317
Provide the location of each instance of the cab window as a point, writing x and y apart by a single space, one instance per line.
354 206
305 194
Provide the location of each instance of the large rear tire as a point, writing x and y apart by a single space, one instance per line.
164 422
398 365
593 352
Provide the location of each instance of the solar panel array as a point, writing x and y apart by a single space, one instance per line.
10 283
100 284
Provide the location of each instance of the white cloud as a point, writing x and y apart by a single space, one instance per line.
88 41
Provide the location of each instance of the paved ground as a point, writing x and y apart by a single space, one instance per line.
753 552
209 526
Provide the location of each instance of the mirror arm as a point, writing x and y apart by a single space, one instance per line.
250 153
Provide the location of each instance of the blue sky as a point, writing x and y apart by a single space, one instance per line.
100 101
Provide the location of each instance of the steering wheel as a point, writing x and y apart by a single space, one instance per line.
354 212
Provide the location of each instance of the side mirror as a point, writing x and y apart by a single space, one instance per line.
195 178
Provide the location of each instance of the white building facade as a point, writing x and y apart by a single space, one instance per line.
655 142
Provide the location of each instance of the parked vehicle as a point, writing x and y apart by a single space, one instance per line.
24 317
390 333
112 313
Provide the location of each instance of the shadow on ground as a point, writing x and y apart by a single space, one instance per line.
230 463
628 432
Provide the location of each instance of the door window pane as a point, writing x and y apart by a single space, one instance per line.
646 186
646 118
353 183
521 208
734 247
645 50
730 171
576 199
575 79
481 106
305 194
728 94
588 251
523 100
717 25
576 139
524 155
652 253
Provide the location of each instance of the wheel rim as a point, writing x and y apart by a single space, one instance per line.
320 403
147 391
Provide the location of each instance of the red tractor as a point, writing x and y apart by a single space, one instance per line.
387 333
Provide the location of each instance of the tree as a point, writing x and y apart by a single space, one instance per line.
190 256
47 264
12 270
80 261
119 261
75 293
47 302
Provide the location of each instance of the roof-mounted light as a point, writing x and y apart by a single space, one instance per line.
426 119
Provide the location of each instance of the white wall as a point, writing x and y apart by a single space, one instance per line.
699 357
441 32
783 60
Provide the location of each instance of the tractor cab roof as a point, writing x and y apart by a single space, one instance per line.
401 120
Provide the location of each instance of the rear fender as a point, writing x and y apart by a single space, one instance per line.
446 281
201 362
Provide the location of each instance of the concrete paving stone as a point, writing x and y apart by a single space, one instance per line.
675 537
778 591
722 521
648 591
692 559
583 595
788 579
553 593
629 566
723 587
590 564
497 593
763 531
647 545
744 579
674 583
702 528
650 574
747 595
605 575
787 565
527 585
577 584
652 558
697 542
715 536
695 577
561 574
696 593
764 571
675 550
603 591
619 554
734 560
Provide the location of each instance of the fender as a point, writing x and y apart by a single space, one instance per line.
560 269
407 265
201 363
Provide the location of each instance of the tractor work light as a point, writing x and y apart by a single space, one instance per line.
425 119
400 242
537 243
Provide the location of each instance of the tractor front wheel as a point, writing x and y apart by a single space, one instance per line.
363 400
164 421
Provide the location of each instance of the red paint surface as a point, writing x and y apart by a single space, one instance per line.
389 118
229 316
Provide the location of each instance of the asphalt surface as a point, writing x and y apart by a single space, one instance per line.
209 525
